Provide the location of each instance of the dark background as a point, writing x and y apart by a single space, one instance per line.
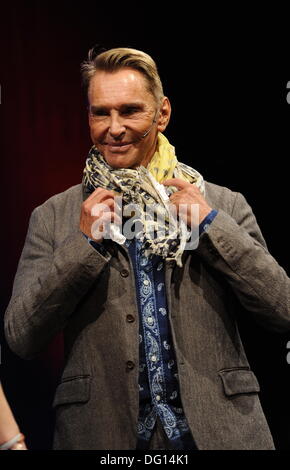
225 71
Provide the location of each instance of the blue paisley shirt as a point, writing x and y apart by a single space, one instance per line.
159 394
158 377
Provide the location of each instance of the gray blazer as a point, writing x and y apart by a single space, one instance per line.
62 283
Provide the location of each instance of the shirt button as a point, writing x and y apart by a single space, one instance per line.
150 320
146 282
130 365
124 273
130 318
158 397
153 358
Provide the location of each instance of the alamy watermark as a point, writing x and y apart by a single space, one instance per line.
288 354
153 222
288 94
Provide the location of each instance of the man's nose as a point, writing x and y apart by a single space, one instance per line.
116 126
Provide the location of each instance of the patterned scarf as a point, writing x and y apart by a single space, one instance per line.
163 235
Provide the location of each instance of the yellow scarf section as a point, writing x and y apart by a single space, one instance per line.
164 162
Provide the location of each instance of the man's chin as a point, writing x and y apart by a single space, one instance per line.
119 161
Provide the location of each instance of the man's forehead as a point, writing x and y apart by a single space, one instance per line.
124 75
97 105
127 83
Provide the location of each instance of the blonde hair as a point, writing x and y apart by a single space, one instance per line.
119 58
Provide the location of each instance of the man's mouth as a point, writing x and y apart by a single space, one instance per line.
118 146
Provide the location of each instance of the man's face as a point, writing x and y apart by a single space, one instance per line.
122 110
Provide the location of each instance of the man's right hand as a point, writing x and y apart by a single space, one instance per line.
97 212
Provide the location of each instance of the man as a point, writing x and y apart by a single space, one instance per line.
153 357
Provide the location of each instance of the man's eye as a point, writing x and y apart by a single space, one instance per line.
131 110
99 112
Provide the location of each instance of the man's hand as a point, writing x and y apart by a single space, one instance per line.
187 195
98 211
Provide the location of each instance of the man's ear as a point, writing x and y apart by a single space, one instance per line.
164 114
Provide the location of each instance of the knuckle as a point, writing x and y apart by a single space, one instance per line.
85 209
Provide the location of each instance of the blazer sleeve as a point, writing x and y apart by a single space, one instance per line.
235 247
48 285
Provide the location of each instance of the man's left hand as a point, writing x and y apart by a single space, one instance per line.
188 194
